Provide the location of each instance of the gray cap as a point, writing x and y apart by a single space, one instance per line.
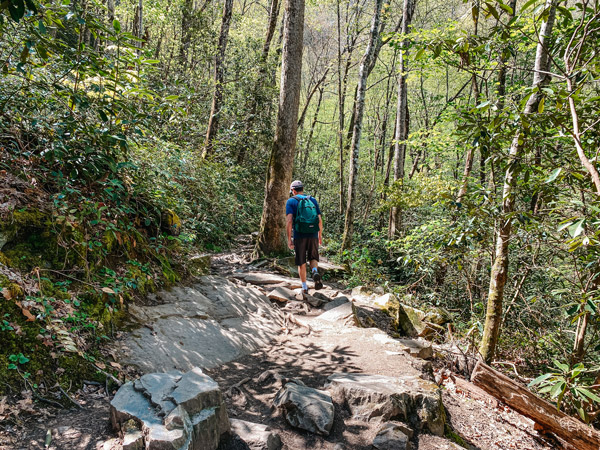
296 184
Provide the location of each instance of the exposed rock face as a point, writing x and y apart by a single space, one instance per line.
393 436
306 408
337 301
255 435
409 399
175 410
204 325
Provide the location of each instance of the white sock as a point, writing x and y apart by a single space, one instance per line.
304 286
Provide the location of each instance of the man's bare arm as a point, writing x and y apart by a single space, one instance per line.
320 230
288 228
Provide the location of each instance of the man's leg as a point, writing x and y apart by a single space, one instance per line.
302 272
300 248
313 256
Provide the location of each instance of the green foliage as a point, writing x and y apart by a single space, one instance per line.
570 387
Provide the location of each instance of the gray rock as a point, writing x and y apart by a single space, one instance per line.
175 411
282 294
255 435
315 301
337 301
133 440
204 325
337 314
306 408
409 399
393 436
417 348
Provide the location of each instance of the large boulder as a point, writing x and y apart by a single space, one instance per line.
409 399
175 410
305 407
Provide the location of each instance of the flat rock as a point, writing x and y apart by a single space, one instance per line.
255 435
417 348
282 294
337 314
204 325
178 411
306 408
337 301
408 398
266 278
392 436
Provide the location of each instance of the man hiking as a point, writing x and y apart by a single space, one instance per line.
304 217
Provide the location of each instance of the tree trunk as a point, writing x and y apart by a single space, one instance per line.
470 156
213 121
499 273
312 130
357 128
261 80
402 119
272 237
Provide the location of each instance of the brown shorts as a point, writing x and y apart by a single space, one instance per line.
304 246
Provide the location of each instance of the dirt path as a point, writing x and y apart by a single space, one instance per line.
310 352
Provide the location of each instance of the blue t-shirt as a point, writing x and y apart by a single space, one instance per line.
292 206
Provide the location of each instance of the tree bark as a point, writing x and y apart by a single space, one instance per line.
499 273
272 237
261 80
402 118
215 110
357 128
470 156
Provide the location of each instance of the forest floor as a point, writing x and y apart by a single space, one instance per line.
312 356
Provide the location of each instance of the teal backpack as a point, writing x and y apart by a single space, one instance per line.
307 218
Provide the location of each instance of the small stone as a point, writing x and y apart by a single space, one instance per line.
255 435
391 437
133 440
282 294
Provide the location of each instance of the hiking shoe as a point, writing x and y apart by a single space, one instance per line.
316 276
304 293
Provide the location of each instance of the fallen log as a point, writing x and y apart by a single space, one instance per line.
574 432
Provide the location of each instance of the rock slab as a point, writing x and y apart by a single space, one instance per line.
255 435
173 411
409 399
306 408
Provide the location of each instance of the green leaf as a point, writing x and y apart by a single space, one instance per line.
577 228
554 175
588 394
561 366
557 389
23 359
527 5
117 25
12 366
541 105
539 379
16 8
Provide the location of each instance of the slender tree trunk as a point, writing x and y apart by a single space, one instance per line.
357 128
402 118
272 237
312 130
261 80
186 32
475 88
499 272
213 122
